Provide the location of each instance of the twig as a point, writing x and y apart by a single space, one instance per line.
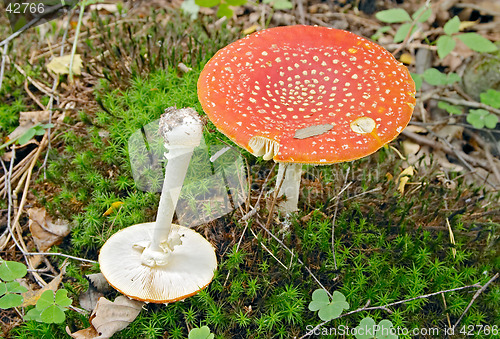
32 22
462 102
2 66
385 307
75 41
275 198
61 255
292 254
423 140
481 290
333 234
268 251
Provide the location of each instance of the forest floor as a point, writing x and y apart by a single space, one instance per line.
407 237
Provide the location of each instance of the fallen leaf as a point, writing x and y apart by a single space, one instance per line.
97 286
407 58
44 230
109 317
32 296
88 299
250 29
403 178
99 282
114 206
60 65
410 147
33 117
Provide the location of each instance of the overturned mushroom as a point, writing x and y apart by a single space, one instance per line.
306 95
161 262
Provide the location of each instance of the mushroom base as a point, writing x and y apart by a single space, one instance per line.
190 269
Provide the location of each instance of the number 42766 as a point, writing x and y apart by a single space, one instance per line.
25 7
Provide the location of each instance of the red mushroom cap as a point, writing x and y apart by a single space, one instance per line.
307 94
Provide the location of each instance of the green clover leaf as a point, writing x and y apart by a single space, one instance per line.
10 300
62 299
328 309
491 98
452 109
52 314
480 118
201 333
367 329
11 270
385 330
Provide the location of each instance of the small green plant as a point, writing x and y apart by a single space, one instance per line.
10 290
328 308
367 329
223 9
50 307
38 129
479 118
434 77
445 43
192 6
201 333
399 15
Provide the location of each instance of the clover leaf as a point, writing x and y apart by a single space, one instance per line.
201 333
328 309
491 98
50 308
367 329
480 118
11 270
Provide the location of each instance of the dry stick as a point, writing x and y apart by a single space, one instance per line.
32 96
423 140
18 170
237 248
300 9
51 99
2 66
385 307
462 102
289 251
255 209
42 87
333 234
275 198
9 210
268 251
23 200
481 290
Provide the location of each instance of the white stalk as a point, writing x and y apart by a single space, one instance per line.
290 188
182 131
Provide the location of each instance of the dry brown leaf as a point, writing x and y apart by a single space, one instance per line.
33 117
44 230
97 286
404 177
99 282
109 317
60 65
31 297
410 147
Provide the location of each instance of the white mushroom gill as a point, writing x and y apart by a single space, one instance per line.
182 132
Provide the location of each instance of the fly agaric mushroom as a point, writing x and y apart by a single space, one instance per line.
306 95
161 262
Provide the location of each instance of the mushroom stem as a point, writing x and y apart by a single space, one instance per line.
182 132
290 174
